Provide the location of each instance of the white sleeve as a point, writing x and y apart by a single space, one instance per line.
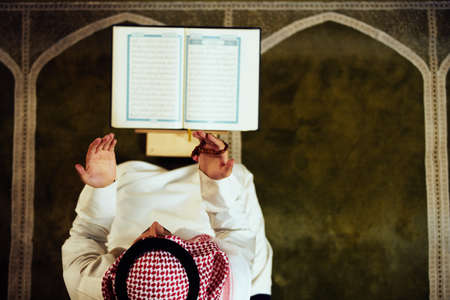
84 255
236 217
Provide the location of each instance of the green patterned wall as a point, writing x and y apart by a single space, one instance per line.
338 163
6 150
339 168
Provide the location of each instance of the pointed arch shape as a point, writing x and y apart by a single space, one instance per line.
435 131
7 60
442 96
441 78
27 90
82 33
18 76
445 66
377 34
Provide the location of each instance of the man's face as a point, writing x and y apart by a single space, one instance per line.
155 230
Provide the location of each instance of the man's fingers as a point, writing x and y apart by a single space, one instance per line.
203 137
105 139
112 145
82 172
99 146
213 141
109 140
200 135
94 144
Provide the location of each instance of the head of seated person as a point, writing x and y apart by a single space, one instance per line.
160 265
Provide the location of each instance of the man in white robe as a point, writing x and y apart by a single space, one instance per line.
214 197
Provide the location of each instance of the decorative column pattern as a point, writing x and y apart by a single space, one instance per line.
435 223
22 217
442 108
223 5
439 250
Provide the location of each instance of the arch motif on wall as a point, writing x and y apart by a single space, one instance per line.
17 73
6 59
437 232
442 77
441 87
234 139
302 24
22 206
82 33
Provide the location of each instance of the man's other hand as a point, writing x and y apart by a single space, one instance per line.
215 166
100 168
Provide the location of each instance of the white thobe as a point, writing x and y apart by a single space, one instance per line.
185 201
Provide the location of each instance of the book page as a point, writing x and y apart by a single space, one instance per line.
222 79
212 79
148 89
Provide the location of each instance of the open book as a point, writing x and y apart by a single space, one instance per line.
196 78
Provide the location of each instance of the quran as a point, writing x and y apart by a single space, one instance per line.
181 77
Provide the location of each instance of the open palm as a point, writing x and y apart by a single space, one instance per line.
100 168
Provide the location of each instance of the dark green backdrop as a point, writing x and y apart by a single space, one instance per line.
6 137
339 167
338 163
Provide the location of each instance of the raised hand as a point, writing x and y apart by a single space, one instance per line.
216 166
100 168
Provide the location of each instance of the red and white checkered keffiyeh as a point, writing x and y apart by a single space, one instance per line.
160 275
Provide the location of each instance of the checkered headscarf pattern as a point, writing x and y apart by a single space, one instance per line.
160 275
